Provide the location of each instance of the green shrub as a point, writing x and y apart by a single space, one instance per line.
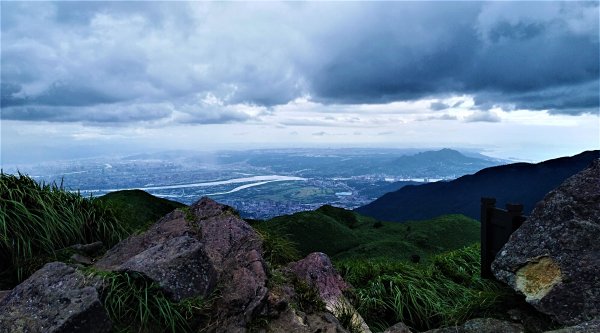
39 220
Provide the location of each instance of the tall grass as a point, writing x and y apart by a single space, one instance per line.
137 304
37 220
447 291
278 249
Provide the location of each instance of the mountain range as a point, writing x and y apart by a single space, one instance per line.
523 183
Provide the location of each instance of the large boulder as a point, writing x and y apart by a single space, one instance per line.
554 257
192 251
56 298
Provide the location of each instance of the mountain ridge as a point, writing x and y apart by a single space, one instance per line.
524 183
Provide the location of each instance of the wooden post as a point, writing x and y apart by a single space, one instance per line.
487 208
515 211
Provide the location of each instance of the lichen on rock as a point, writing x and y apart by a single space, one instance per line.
538 277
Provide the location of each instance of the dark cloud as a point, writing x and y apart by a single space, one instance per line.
437 106
79 58
487 50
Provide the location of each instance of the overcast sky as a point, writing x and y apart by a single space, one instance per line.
512 79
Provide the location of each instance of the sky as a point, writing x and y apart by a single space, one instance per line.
511 79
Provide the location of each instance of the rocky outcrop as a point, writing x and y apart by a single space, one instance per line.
554 257
482 325
56 298
318 272
189 252
204 250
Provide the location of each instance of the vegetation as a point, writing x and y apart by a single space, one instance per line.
278 249
445 292
344 234
137 209
136 304
38 222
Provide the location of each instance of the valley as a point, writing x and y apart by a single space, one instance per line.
263 183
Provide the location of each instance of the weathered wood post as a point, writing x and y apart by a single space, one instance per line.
515 213
496 227
487 206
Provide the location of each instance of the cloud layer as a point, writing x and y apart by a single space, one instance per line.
207 63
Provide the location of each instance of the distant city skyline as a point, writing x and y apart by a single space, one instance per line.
510 79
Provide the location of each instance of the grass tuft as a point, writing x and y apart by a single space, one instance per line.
278 249
137 304
39 220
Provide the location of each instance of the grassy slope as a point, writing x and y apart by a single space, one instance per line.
137 209
344 234
39 222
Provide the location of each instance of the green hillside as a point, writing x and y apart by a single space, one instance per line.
343 234
137 209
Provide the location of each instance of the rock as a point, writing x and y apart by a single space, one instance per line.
291 321
188 253
554 257
169 253
56 298
3 293
482 325
592 326
318 271
79 259
89 249
398 328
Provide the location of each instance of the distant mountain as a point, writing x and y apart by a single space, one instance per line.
444 162
523 183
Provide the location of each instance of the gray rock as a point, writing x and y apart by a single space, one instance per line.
592 326
79 259
398 328
189 253
89 249
56 298
292 321
554 257
3 293
482 325
317 271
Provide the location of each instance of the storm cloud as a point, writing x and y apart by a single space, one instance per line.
208 63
